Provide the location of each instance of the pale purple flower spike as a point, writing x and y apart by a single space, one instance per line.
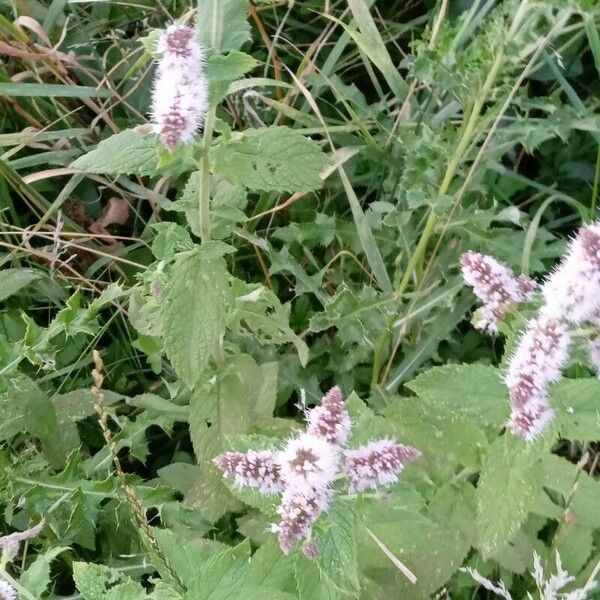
7 591
180 95
305 469
377 463
538 361
331 420
572 292
257 469
495 285
299 511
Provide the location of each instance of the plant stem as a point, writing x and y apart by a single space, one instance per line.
432 220
204 187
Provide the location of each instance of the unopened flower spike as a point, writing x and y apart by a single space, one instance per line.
305 469
495 285
180 95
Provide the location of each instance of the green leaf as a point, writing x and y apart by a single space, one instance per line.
170 238
36 578
25 407
129 152
510 479
222 70
472 390
15 88
14 280
258 313
335 538
369 40
432 551
223 25
193 313
273 159
572 483
220 575
577 410
97 582
226 406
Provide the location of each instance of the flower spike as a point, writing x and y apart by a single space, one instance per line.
180 96
258 469
377 463
331 420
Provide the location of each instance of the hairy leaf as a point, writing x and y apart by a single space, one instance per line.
193 313
276 159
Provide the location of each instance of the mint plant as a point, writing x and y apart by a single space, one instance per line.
213 211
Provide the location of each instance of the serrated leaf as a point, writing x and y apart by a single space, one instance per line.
335 538
222 69
276 159
193 313
223 25
510 479
129 152
170 238
473 390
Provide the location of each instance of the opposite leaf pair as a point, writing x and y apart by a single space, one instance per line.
303 472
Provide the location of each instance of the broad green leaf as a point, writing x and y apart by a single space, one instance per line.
511 477
222 70
185 555
221 575
14 280
227 204
128 152
453 506
193 313
97 582
222 24
472 390
272 159
25 407
335 538
577 408
448 440
432 551
270 567
575 485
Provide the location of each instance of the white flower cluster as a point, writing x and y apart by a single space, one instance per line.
305 469
571 297
496 286
548 586
180 96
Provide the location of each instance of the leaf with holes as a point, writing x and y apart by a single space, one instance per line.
272 159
